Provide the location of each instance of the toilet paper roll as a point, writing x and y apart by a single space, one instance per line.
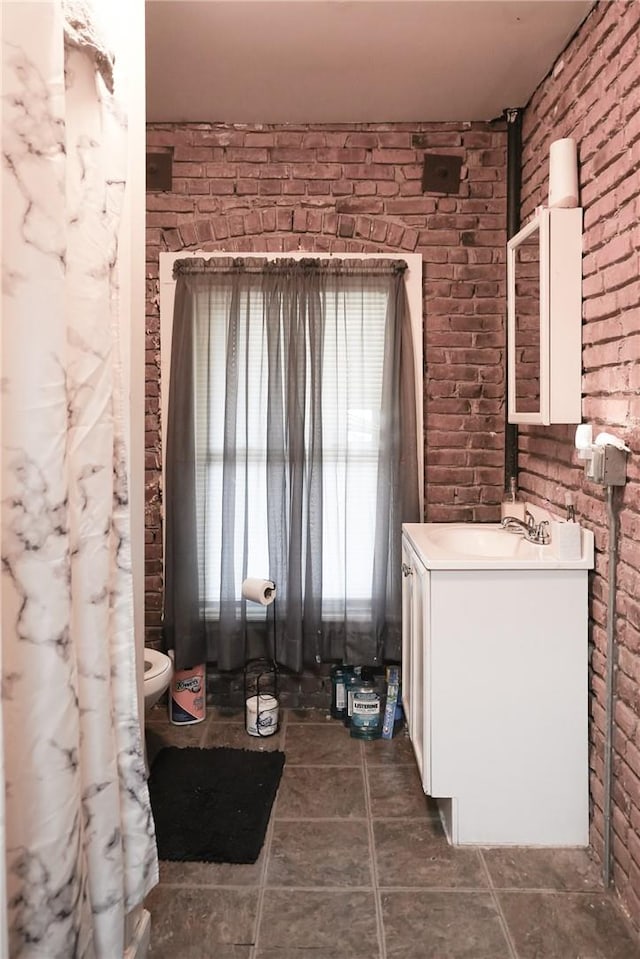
261 591
563 173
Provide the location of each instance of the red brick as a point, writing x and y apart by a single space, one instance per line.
187 170
165 201
314 139
385 188
284 138
337 155
366 140
291 155
369 171
235 223
359 205
189 238
223 187
396 140
379 231
314 221
346 225
215 170
268 220
259 139
266 171
242 187
411 205
269 187
246 155
284 220
342 188
220 227
299 221
364 189
253 223
396 157
424 141
394 234
221 138
316 171
409 240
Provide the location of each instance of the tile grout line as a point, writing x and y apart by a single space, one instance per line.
501 916
262 885
372 856
244 887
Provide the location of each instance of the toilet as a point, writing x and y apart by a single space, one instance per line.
158 670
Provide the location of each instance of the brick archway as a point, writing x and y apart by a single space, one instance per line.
354 189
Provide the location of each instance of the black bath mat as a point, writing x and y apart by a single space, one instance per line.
213 805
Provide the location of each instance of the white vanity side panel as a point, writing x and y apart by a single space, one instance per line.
509 704
415 684
408 627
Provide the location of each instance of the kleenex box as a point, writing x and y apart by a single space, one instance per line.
566 540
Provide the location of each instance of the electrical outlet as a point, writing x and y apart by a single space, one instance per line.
594 466
614 470
607 466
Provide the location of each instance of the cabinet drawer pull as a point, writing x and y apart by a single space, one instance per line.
406 570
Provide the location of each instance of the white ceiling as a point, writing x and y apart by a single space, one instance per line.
327 61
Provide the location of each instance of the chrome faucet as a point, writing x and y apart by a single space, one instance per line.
534 532
527 525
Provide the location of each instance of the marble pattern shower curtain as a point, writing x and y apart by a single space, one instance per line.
78 834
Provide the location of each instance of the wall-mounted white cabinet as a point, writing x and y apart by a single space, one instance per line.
544 301
494 666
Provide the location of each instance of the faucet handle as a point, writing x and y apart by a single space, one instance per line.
539 534
531 523
543 534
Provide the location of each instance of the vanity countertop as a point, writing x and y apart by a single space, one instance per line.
489 546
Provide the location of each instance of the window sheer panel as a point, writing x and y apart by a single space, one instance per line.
352 379
296 392
167 303
250 555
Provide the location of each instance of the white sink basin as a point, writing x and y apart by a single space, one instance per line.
478 539
488 546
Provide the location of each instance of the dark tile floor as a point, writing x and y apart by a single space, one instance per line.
355 865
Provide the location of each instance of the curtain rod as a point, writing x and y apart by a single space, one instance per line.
258 265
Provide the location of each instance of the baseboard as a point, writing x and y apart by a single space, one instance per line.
141 938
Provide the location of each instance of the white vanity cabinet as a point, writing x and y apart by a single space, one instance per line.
495 695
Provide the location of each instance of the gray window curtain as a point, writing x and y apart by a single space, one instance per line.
291 441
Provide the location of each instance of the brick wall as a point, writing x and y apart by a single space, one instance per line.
355 189
593 94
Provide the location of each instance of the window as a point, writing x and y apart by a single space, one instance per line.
302 451
351 385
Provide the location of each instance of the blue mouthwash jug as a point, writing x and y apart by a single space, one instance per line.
365 718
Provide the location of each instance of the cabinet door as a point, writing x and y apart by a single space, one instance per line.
407 644
544 312
415 685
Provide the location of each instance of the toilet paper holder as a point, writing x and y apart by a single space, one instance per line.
260 673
